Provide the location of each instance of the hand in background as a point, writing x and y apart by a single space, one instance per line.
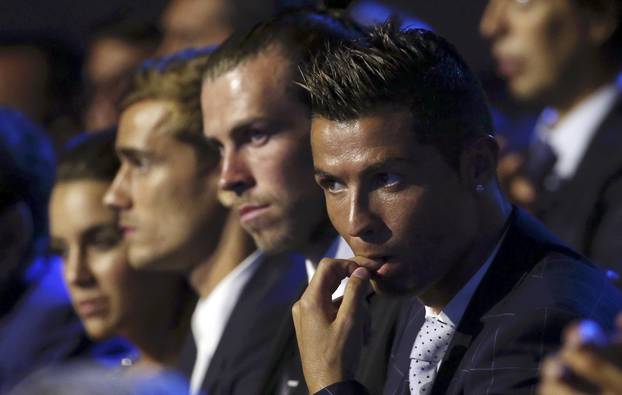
587 363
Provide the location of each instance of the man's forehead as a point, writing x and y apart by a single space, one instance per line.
255 89
146 122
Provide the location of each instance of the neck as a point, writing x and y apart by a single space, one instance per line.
490 229
233 246
568 99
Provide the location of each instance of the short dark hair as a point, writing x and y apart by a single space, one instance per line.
89 156
298 33
415 70
26 171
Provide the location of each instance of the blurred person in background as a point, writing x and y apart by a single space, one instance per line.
565 55
195 23
115 49
151 309
37 324
39 77
170 216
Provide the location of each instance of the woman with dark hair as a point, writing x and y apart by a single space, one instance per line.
150 309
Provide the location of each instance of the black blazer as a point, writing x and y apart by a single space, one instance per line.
586 211
532 290
249 338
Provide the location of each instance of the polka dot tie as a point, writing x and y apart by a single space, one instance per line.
429 348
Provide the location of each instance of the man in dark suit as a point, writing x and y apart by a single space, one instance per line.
565 55
402 149
259 118
167 196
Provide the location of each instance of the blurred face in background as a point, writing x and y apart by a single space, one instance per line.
543 47
164 192
109 296
24 78
108 68
194 23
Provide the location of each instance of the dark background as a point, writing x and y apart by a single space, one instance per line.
457 20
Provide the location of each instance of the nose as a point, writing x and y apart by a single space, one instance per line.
117 196
77 271
362 222
235 174
493 18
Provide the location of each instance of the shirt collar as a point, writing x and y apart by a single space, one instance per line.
570 137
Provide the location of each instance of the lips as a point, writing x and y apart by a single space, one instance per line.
249 212
91 307
126 228
375 263
508 66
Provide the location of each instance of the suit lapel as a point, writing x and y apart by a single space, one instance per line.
519 252
263 304
569 217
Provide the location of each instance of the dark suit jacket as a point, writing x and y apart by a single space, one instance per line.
38 327
533 289
586 211
249 338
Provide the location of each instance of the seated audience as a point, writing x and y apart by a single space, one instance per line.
151 309
39 76
402 147
166 196
565 55
37 324
255 113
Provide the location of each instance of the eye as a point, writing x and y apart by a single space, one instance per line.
58 250
105 239
258 137
388 180
331 185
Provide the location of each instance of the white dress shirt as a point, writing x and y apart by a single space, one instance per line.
339 249
454 310
570 137
212 314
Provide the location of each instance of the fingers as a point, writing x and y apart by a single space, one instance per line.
594 367
552 379
328 276
354 296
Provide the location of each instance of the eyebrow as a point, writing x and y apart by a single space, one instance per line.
371 168
128 152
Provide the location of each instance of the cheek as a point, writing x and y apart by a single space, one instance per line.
113 272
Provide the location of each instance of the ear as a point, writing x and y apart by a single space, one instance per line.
478 163
603 21
16 236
